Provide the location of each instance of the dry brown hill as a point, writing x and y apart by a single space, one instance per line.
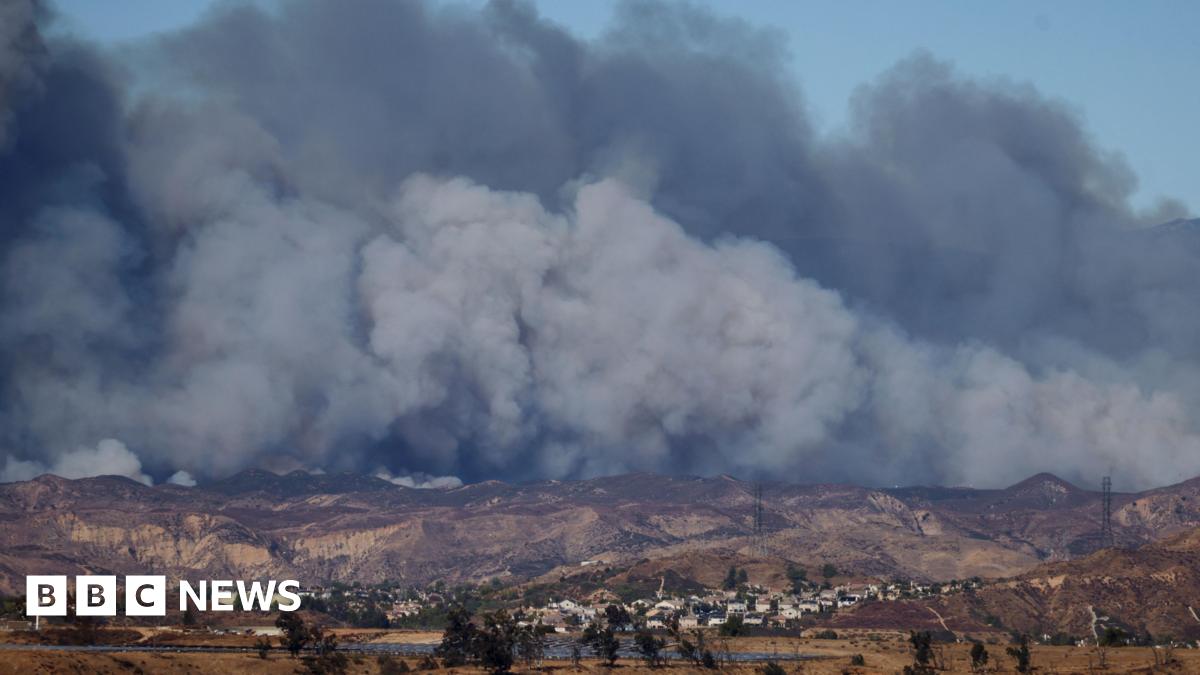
358 528
1153 589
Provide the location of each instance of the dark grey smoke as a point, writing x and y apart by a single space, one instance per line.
428 241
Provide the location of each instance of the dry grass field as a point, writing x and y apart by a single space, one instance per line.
881 653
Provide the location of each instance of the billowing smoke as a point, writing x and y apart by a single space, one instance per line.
110 456
431 242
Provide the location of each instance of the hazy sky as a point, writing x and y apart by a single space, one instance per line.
1124 66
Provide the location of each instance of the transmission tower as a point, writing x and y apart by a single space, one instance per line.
1106 532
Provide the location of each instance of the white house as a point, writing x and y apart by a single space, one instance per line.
848 600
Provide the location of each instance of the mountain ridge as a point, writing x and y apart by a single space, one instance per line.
354 527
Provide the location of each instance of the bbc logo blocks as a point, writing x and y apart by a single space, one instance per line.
46 595
146 595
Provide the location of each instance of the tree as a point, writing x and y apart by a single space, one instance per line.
828 570
617 616
773 668
324 643
458 640
743 576
733 626
1113 637
922 647
531 644
295 635
685 647
603 641
327 660
263 645
922 644
575 656
649 646
798 576
979 657
730 582
497 642
1021 655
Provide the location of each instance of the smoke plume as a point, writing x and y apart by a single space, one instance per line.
434 242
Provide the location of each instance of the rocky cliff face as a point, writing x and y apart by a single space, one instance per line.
352 527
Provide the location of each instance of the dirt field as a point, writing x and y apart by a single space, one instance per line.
878 658
882 652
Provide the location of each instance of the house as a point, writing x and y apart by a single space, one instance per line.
753 619
848 600
555 620
735 607
689 621
790 613
655 622
716 619
808 606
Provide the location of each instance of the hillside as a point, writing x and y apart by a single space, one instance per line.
1150 590
318 528
1153 589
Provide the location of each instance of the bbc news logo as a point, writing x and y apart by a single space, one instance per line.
146 595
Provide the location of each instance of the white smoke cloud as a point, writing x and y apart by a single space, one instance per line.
110 457
497 333
629 339
183 478
420 481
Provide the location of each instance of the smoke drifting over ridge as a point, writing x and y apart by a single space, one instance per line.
431 242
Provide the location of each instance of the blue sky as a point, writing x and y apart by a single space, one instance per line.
1129 68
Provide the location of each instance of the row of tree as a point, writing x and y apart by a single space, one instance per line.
927 660
496 645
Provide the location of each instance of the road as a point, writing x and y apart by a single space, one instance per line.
943 622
